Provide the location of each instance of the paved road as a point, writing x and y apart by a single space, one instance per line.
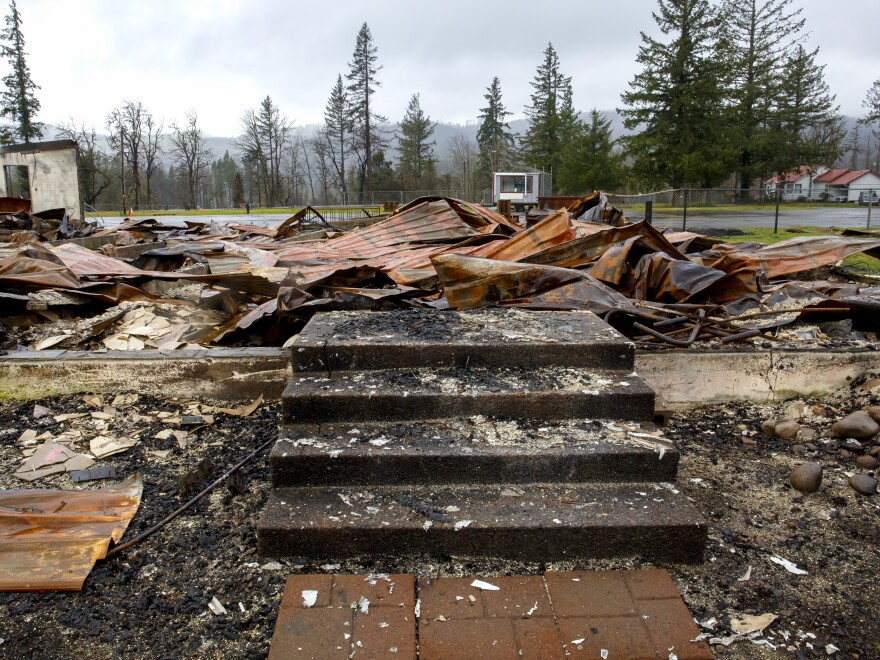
849 215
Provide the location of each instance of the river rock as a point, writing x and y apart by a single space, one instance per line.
806 435
856 425
868 462
787 429
874 412
863 484
768 426
806 478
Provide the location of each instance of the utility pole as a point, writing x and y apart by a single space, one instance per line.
122 160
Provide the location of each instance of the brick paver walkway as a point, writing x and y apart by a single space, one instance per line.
594 614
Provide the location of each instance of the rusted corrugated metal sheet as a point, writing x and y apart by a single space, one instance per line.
50 539
556 228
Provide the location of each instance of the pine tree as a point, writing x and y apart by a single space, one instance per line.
17 102
414 149
337 131
872 104
805 103
588 161
756 39
675 102
548 125
494 137
362 84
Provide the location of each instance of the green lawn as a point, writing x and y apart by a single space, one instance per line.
859 263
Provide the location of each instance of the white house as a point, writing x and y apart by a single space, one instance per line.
845 185
804 182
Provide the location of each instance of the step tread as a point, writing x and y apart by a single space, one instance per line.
432 393
466 382
476 449
532 520
343 340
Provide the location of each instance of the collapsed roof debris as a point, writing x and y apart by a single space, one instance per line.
167 284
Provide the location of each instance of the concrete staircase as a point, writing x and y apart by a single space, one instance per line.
492 433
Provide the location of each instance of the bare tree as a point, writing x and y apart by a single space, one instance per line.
323 169
191 155
93 165
466 161
152 136
126 126
265 144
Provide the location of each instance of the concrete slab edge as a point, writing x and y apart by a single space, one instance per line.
681 379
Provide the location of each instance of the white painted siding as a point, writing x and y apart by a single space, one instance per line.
53 178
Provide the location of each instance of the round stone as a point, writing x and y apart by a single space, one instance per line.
856 425
867 462
768 426
874 412
787 429
806 478
863 484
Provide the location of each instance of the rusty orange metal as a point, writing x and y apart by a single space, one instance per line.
50 539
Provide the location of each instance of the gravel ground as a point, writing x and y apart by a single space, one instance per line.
152 600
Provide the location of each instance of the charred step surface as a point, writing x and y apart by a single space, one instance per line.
347 341
525 522
477 450
407 394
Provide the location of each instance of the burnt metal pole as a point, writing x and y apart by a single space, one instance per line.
870 204
649 212
776 217
684 217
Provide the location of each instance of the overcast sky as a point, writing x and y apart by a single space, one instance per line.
223 56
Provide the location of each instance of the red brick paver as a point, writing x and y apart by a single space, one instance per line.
337 625
631 615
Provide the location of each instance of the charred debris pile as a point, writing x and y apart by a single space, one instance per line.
164 284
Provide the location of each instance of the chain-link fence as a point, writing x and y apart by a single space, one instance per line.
716 209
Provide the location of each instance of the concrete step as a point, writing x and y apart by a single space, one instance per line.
476 450
404 394
349 341
523 522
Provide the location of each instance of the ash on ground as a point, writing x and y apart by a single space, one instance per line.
154 598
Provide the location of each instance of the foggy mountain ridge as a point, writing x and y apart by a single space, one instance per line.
443 134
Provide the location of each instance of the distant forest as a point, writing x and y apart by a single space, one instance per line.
728 96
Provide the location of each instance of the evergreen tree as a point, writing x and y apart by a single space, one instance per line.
550 114
756 39
675 101
337 131
804 104
17 102
413 147
237 189
364 121
872 104
588 161
494 137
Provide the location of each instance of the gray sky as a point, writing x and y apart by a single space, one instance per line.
223 56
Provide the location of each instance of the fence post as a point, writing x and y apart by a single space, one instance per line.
684 218
649 212
870 204
776 217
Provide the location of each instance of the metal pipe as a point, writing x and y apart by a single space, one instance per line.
171 516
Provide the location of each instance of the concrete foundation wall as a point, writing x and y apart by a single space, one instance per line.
681 379
54 181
